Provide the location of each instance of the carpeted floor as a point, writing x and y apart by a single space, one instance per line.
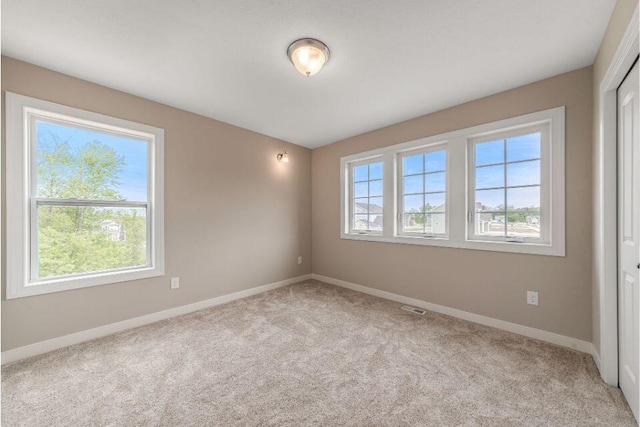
311 354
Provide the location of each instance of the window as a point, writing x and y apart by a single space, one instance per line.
86 207
509 191
497 187
366 200
424 193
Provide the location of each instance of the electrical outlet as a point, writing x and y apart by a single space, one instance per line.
175 282
299 260
532 298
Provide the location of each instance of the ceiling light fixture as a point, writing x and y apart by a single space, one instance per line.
283 157
308 55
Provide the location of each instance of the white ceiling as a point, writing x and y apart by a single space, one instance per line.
391 60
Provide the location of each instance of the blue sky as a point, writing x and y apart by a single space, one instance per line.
369 171
425 163
433 182
524 149
428 180
422 173
133 177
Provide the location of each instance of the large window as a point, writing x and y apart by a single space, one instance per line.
85 204
497 187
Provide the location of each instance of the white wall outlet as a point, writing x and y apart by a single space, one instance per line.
299 260
175 282
532 298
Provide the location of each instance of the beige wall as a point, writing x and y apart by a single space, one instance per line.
206 194
615 30
217 177
487 283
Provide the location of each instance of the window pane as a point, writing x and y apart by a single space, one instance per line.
523 224
435 202
360 189
430 183
413 164
527 198
413 184
490 200
361 173
360 205
435 161
375 205
413 223
375 170
83 163
375 188
360 222
490 177
524 173
490 224
435 223
375 222
74 240
523 147
435 182
490 152
413 203
367 197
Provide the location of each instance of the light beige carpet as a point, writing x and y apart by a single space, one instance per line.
311 354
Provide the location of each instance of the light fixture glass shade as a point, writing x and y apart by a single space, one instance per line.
308 55
283 157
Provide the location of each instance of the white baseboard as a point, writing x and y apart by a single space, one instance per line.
101 331
561 340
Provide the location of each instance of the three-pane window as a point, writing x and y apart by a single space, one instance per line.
498 187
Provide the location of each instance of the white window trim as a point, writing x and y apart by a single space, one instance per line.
19 202
458 184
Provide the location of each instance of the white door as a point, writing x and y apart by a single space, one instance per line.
629 238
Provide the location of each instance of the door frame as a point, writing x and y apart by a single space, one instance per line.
605 268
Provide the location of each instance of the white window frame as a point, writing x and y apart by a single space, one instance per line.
352 166
400 165
459 210
545 192
22 201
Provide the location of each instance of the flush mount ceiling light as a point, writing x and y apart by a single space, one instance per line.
308 55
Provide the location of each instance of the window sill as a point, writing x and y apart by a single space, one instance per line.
509 247
69 283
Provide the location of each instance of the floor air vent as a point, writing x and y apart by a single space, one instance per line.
414 310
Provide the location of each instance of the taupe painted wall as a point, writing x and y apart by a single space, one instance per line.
487 283
235 218
618 23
